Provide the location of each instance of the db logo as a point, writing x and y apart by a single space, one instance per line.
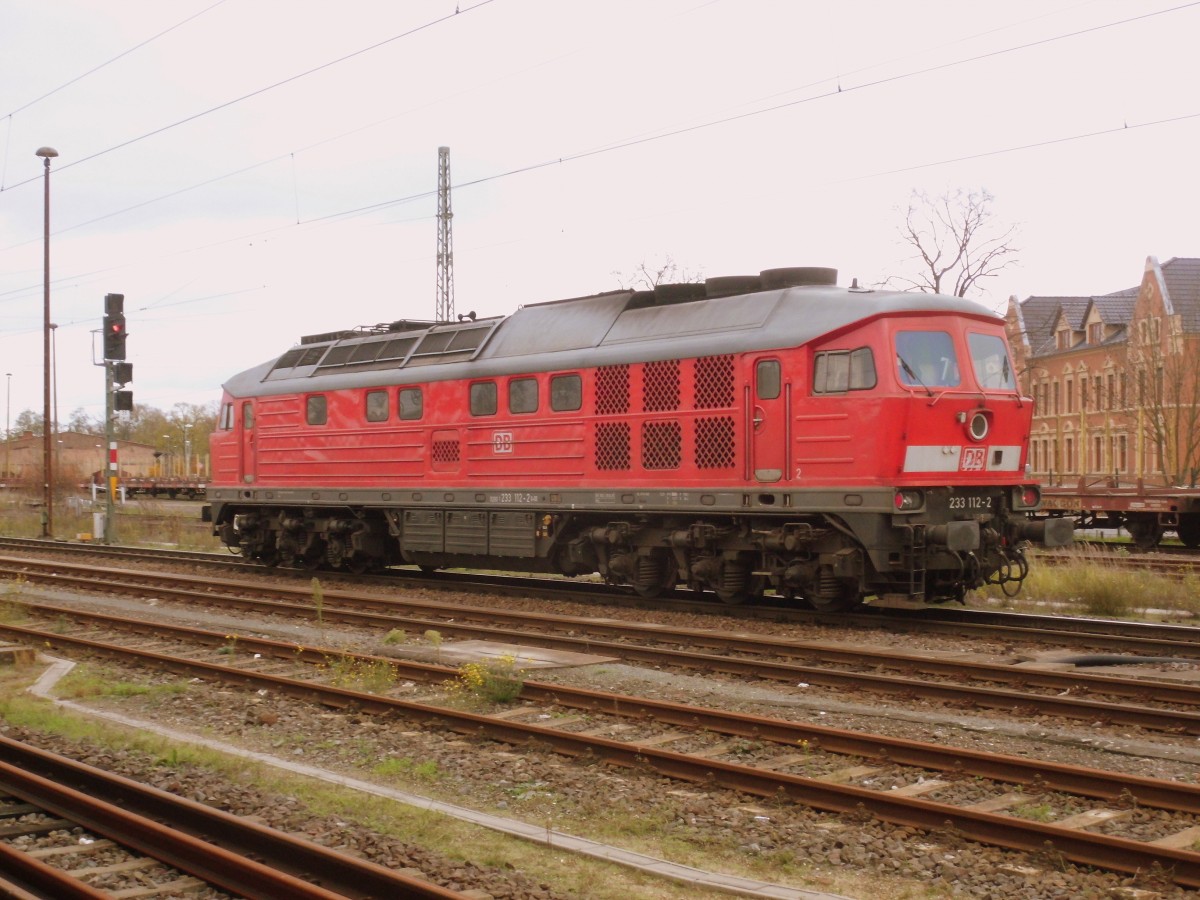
973 459
502 442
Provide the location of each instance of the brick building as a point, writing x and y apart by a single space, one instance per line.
1114 379
76 457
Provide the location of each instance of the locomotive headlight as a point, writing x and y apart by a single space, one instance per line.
907 501
978 426
1026 497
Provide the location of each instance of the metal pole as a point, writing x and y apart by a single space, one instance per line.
110 459
46 153
7 429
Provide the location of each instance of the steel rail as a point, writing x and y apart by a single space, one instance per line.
1103 851
1097 783
994 698
217 847
1142 637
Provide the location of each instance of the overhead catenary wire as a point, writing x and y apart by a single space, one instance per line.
262 90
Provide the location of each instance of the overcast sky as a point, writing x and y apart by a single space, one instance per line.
248 171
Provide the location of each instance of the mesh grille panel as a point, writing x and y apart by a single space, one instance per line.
612 390
661 443
715 443
612 446
714 382
445 451
660 386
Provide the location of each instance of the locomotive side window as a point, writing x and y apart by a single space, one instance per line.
769 378
566 393
989 358
247 415
523 395
926 359
412 404
317 410
377 406
838 371
227 417
483 398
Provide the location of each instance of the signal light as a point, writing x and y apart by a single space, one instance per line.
123 401
114 326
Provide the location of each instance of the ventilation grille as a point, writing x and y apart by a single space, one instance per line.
445 452
660 386
661 443
612 446
714 382
715 443
612 390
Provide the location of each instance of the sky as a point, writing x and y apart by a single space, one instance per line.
246 172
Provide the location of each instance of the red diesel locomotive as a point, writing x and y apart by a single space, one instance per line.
745 434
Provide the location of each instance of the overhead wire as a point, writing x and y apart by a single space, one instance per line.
612 147
91 71
259 91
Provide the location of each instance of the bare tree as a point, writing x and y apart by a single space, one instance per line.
647 275
958 242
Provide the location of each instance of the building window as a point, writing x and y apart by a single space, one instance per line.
1070 395
1096 333
1083 393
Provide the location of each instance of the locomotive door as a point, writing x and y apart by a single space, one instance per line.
768 421
246 454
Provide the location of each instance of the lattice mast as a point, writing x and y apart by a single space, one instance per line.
445 248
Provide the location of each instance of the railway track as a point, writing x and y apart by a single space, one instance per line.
68 830
1102 634
896 780
1163 705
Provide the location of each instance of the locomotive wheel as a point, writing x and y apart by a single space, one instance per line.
655 576
833 595
1189 530
1145 531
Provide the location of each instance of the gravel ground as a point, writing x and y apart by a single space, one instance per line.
709 827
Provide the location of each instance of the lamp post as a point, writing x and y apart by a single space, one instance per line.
7 430
187 450
46 154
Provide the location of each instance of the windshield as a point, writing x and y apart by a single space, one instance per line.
926 359
989 358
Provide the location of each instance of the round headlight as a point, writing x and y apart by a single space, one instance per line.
978 427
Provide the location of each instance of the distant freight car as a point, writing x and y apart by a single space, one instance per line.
749 433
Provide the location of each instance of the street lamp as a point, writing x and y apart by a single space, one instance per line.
7 432
187 450
46 154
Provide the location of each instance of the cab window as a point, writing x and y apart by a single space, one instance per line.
227 417
989 359
926 359
838 371
247 415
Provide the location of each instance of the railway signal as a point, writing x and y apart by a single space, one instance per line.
114 326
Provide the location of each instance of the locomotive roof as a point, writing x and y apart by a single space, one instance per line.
604 329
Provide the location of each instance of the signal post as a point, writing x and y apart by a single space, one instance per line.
117 374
